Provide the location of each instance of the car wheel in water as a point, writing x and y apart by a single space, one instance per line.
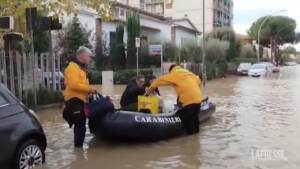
29 155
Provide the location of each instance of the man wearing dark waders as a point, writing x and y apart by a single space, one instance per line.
187 86
76 93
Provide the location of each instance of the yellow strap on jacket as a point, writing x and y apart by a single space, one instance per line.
77 84
187 85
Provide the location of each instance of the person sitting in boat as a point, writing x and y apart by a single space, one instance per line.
187 86
149 80
135 88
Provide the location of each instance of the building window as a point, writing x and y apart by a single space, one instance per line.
112 40
142 4
169 4
122 12
115 12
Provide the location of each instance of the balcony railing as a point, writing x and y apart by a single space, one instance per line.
150 2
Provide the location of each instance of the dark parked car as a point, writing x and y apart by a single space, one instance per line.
22 139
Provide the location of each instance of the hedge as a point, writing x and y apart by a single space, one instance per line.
44 96
120 77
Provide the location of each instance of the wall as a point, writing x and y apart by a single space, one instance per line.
108 27
184 23
183 34
163 28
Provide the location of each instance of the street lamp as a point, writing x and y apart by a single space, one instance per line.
259 30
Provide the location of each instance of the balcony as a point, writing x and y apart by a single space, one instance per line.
153 2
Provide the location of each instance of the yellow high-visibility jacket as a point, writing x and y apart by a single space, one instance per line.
187 85
77 84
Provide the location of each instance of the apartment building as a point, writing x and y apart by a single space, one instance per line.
218 13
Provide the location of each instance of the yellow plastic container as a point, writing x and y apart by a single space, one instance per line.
150 103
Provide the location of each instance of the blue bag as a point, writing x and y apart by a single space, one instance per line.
98 105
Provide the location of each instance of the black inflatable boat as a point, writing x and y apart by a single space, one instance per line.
124 125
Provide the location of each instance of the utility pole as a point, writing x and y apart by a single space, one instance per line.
31 20
137 45
53 76
203 48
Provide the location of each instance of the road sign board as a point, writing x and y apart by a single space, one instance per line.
137 42
7 22
155 50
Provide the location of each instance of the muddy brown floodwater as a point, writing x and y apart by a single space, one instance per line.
256 126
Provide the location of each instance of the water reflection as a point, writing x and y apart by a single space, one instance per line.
252 114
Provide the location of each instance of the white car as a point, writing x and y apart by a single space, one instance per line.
259 69
244 68
271 67
291 64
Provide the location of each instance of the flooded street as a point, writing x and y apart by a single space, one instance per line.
256 126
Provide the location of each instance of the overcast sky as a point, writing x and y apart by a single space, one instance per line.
247 11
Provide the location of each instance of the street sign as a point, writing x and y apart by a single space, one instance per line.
155 50
7 22
137 42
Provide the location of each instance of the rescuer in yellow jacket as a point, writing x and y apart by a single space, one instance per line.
187 87
77 84
76 93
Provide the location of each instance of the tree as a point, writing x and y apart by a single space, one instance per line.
285 54
247 51
99 57
16 8
194 52
170 51
71 38
277 30
298 37
183 56
216 50
118 52
290 50
227 34
133 29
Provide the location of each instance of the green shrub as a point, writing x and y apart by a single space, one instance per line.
95 77
29 101
170 51
210 71
221 69
45 96
216 50
247 51
243 60
124 76
120 77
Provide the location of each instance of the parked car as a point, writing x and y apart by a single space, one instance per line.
22 139
259 69
244 68
271 66
291 64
